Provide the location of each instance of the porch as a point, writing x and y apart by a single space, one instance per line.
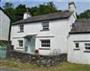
29 44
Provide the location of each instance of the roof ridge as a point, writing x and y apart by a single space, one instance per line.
46 17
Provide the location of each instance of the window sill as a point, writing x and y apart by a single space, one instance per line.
45 30
76 49
44 48
87 51
19 48
21 32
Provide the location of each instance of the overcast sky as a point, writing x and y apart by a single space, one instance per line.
81 5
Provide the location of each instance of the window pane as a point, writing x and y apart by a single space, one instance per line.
21 43
77 45
87 46
45 43
45 25
21 28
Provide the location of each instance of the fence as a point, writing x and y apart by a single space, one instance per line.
3 48
2 52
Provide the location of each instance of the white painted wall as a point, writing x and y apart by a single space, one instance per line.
4 26
58 35
78 56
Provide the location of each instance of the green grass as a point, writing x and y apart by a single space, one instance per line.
33 67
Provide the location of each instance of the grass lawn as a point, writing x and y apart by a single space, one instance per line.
32 67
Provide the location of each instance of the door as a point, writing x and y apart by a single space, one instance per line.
2 52
30 45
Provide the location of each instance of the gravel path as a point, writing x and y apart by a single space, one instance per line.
4 69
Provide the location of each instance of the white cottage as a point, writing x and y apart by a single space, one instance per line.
79 42
45 34
4 26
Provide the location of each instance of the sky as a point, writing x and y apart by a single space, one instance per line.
81 5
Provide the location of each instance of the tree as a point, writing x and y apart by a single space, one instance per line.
8 5
8 8
43 9
19 11
85 14
14 13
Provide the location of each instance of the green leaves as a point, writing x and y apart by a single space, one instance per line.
85 14
43 9
2 45
16 13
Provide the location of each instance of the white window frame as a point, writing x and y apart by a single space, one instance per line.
20 43
87 46
21 27
77 45
45 26
45 43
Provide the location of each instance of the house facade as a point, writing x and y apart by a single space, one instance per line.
54 34
4 26
45 34
79 42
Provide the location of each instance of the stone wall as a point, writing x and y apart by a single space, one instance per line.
37 59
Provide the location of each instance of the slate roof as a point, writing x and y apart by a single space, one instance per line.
47 17
81 26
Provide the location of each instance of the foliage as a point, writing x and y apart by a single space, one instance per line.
85 14
8 5
17 12
2 45
43 9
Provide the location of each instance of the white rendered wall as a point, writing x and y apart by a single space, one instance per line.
4 26
57 34
78 56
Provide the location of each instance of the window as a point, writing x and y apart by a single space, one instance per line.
87 46
45 25
45 43
21 27
77 45
20 43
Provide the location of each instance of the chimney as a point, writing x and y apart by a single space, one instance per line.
26 15
72 7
